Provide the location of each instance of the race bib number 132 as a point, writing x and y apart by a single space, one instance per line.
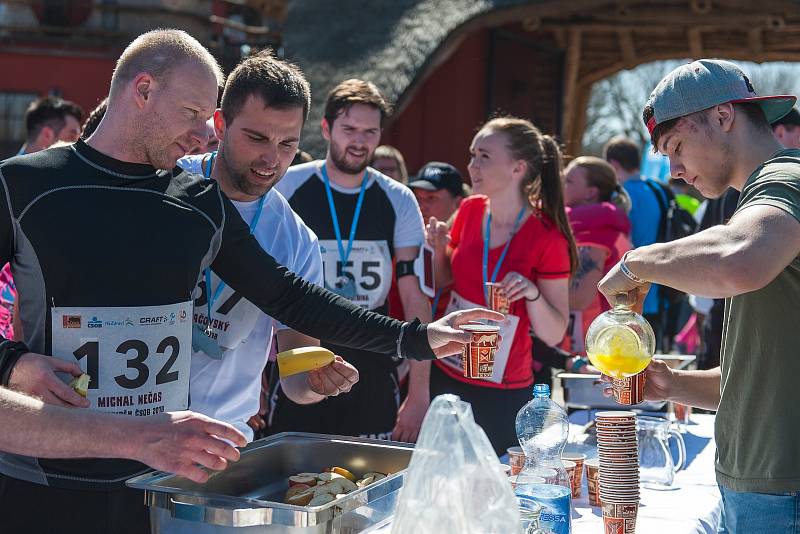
138 358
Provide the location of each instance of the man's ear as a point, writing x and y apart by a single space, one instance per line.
326 129
219 124
724 115
143 86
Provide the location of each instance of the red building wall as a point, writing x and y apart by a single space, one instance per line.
83 80
441 119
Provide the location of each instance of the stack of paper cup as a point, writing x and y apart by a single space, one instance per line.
618 452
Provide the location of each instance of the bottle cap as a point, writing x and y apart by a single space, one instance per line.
541 390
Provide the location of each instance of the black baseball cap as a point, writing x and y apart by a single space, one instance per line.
435 176
790 119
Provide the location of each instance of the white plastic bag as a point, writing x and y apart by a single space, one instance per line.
454 482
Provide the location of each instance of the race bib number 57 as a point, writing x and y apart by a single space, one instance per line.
138 358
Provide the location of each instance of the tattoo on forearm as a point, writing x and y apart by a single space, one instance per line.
586 264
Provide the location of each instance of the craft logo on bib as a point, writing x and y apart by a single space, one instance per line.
138 358
369 267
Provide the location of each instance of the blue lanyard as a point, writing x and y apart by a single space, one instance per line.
344 255
207 168
435 303
213 299
487 236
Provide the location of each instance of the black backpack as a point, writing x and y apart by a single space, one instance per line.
675 223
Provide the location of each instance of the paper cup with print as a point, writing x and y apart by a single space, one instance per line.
571 468
620 518
629 390
577 480
593 481
478 354
516 459
496 298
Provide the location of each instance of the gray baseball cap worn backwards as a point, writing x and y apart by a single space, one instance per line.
703 84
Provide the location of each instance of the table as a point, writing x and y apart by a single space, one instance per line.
690 506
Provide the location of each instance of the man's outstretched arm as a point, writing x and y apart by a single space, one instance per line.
175 442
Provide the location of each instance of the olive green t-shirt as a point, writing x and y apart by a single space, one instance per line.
758 422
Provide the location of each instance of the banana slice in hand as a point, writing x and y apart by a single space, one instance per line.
81 385
304 359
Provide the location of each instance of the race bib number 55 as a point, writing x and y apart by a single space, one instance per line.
138 358
368 269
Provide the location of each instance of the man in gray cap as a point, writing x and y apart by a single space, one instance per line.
706 117
439 190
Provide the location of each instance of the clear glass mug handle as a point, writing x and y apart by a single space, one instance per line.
681 449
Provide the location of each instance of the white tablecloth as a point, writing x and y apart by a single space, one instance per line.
690 506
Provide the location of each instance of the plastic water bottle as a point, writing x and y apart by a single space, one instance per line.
542 430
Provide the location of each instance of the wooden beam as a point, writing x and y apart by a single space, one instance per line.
627 46
572 65
574 145
741 54
755 41
695 37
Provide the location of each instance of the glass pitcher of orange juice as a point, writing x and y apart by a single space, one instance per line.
620 342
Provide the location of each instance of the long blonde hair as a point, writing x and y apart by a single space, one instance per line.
600 174
542 184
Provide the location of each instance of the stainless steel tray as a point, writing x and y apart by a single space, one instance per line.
586 392
248 494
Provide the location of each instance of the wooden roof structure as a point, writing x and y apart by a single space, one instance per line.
398 44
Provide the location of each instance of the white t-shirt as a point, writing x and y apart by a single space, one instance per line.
229 389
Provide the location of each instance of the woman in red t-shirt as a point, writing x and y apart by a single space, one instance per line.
516 223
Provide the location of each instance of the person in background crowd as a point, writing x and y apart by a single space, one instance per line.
48 120
645 215
389 161
707 117
439 189
787 129
167 442
370 221
597 208
267 99
211 142
94 118
515 232
300 157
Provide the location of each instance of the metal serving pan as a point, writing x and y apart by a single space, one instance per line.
583 391
246 497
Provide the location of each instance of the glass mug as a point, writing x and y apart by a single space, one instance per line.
656 465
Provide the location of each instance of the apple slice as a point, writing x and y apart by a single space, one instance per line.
346 485
301 499
297 489
301 479
328 476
